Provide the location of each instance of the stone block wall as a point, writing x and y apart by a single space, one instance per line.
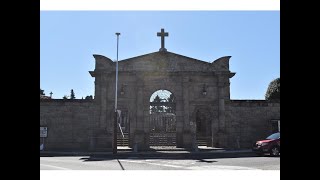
249 120
69 124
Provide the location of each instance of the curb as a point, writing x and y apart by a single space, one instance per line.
168 154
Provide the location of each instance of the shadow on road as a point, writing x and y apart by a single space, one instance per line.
206 161
169 156
176 154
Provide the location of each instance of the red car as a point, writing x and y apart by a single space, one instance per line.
269 145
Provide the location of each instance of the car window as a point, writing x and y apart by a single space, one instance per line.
274 136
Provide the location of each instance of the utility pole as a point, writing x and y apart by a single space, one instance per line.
116 104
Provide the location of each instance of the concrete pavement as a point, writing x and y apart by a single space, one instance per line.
156 163
162 158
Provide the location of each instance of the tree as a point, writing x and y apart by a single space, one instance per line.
42 92
89 97
157 99
170 104
273 91
171 98
157 108
65 97
72 96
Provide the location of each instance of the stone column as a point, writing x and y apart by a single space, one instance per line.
105 121
95 121
101 136
221 109
187 134
221 134
146 119
179 120
139 139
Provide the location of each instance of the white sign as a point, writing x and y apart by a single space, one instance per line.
43 131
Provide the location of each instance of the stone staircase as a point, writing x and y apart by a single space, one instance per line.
159 140
162 139
123 141
201 140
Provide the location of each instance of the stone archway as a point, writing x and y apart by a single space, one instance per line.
162 119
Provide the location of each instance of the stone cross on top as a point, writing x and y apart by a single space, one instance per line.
162 34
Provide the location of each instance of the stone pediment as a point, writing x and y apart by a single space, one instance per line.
162 62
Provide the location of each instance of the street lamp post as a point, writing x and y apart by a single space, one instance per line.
115 104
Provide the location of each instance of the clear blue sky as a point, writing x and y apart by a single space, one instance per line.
69 38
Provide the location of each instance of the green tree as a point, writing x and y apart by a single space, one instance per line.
89 97
157 108
273 91
65 97
72 96
42 92
170 100
157 99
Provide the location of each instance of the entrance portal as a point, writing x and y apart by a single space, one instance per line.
203 125
162 119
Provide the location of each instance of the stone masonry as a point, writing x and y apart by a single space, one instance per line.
202 96
69 123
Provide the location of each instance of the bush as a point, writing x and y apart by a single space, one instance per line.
273 91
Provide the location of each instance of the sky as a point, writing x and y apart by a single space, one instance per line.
68 39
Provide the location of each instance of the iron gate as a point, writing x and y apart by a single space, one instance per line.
162 129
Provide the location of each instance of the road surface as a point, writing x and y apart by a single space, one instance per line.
134 163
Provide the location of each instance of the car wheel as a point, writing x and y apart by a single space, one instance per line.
275 151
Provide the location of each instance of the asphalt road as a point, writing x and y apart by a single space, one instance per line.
134 163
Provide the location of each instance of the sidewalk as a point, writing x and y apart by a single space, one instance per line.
174 153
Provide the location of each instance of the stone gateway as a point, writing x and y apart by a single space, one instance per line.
165 99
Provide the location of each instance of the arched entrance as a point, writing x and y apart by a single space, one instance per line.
162 119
